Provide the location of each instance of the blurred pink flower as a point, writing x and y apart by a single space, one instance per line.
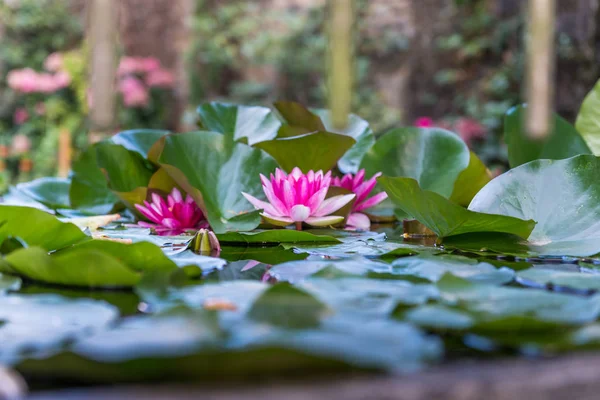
160 78
137 65
424 122
20 144
469 129
54 62
172 217
62 80
148 64
135 94
298 198
362 189
23 80
20 116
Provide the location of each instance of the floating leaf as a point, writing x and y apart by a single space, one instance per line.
563 196
588 119
295 114
563 141
36 325
91 264
89 189
51 192
444 217
38 228
289 307
470 181
255 124
311 151
359 130
274 236
434 157
550 277
138 140
215 171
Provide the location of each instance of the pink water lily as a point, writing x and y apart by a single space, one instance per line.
299 198
173 216
362 189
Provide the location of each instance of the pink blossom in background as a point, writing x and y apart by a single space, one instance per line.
173 216
424 122
54 62
20 144
299 198
362 189
137 65
23 80
62 80
20 116
127 65
148 64
160 78
469 129
135 94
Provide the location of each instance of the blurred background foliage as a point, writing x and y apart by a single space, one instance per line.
457 64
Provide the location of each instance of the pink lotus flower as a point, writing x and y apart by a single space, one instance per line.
172 217
469 129
424 122
160 78
298 198
358 185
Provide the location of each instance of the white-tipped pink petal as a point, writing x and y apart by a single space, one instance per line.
277 221
359 221
272 197
370 202
324 221
317 199
296 173
259 204
299 213
333 204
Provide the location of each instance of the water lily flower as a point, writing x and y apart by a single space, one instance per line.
298 198
362 189
173 216
206 242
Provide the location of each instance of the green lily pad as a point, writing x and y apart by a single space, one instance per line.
94 264
444 217
563 196
434 157
89 189
266 255
588 119
297 271
575 280
295 114
38 228
252 123
36 325
470 181
434 267
492 302
359 130
51 192
214 171
287 306
274 236
312 151
138 140
563 141
126 170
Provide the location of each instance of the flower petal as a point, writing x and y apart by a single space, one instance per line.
315 201
333 204
324 221
359 221
373 201
277 221
299 213
273 198
261 205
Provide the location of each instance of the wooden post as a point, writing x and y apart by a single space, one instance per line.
102 39
540 67
64 153
340 61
